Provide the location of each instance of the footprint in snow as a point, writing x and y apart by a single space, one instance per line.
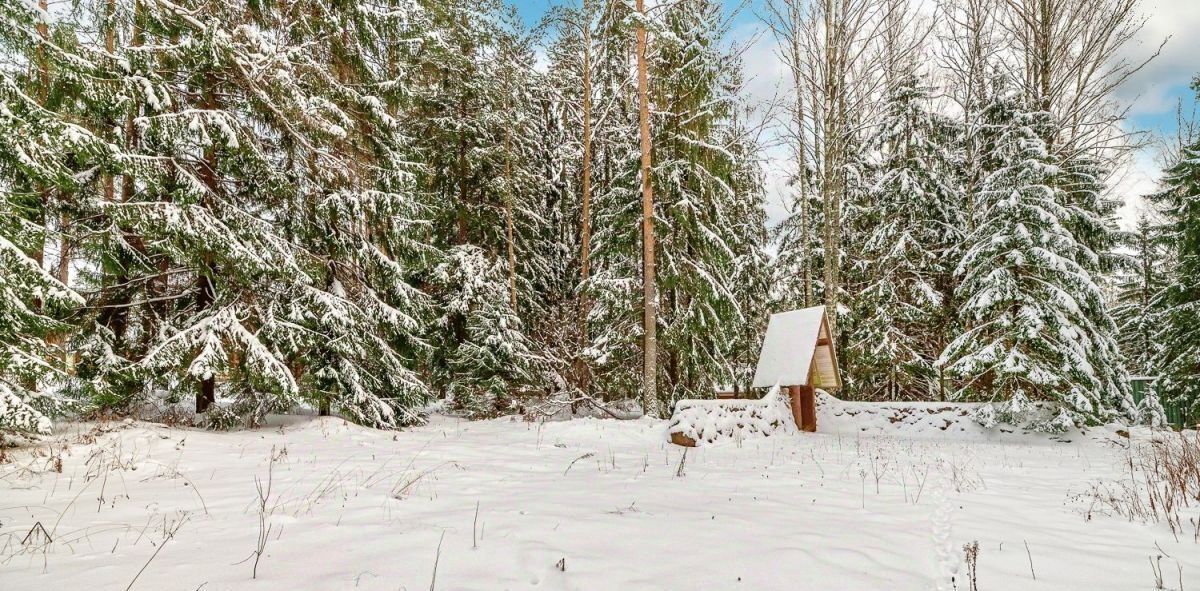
946 556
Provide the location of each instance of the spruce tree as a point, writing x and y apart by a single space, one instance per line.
1139 286
1179 300
32 306
912 220
614 287
1029 305
258 247
709 208
354 336
272 204
482 356
46 162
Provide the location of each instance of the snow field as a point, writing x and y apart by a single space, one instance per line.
508 502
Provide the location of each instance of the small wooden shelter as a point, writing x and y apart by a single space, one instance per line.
798 354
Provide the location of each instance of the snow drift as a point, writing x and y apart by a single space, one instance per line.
706 422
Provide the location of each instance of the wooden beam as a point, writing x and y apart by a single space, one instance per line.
837 371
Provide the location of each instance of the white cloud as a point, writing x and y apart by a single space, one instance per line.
766 80
1140 178
1147 91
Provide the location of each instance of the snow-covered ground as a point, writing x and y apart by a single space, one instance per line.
881 499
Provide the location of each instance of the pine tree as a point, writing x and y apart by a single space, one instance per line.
1029 305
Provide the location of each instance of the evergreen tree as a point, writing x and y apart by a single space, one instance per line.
482 355
554 261
265 218
472 116
354 336
1139 285
1179 300
45 161
613 289
709 208
32 304
1029 304
913 220
751 274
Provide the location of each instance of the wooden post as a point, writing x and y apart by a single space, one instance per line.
797 414
804 407
808 408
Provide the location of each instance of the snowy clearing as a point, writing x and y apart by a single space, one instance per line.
869 503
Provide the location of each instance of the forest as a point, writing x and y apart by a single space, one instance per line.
368 207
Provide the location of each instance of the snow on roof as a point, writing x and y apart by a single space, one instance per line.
793 343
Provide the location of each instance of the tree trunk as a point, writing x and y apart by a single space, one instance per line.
586 221
586 215
110 44
44 78
205 290
121 298
508 198
204 298
508 218
462 175
806 290
649 307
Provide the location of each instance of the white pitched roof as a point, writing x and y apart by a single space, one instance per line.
790 347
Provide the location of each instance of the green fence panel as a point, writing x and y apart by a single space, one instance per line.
1174 411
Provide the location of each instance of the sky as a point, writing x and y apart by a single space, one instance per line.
1152 95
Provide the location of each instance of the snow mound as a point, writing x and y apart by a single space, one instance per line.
921 420
895 418
708 422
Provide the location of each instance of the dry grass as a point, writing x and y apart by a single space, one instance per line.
1161 485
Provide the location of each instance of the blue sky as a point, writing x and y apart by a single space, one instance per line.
1152 94
1164 120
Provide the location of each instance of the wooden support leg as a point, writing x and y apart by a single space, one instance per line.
804 407
808 409
797 413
